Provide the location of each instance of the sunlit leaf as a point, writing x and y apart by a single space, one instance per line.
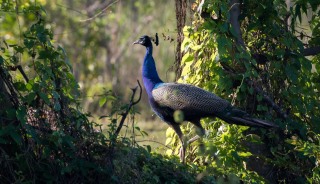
244 154
168 140
187 58
102 101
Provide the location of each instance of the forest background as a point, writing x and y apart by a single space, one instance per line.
68 69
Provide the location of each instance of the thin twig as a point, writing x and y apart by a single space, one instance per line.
132 103
96 15
69 8
155 142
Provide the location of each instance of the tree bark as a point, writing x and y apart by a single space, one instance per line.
311 51
181 11
4 101
234 21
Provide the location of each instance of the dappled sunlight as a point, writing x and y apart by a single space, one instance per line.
211 91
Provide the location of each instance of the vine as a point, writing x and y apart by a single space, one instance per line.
246 51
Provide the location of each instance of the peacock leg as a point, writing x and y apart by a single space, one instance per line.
182 151
201 132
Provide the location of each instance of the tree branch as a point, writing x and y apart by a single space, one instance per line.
132 103
19 67
268 100
311 51
234 21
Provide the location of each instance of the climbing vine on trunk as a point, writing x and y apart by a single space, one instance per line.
254 54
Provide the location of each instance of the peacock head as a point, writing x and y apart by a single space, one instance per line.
146 40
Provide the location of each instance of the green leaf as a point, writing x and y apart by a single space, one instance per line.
57 106
44 97
259 97
102 101
30 97
101 117
45 54
222 42
29 43
262 108
111 98
291 141
15 136
291 73
43 9
137 128
251 90
149 148
187 58
21 114
169 152
55 95
20 86
66 59
168 141
10 130
18 49
1 60
42 37
29 86
306 64
298 12
244 154
253 138
195 47
170 132
144 133
224 27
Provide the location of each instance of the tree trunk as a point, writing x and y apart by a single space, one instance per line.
4 101
181 12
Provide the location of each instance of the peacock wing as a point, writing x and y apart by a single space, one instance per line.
188 98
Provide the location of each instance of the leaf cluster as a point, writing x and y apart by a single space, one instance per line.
44 135
263 70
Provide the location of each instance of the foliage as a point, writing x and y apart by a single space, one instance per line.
264 71
143 167
100 46
44 135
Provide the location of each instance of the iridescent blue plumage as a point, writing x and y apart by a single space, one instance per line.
149 72
194 103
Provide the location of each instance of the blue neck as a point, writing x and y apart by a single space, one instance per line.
149 72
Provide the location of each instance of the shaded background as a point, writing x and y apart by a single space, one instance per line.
98 37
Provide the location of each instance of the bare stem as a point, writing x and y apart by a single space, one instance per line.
132 103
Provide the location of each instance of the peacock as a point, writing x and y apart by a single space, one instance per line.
191 103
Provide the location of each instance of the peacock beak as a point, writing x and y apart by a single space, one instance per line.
137 42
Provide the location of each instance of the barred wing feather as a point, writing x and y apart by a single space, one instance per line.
188 98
